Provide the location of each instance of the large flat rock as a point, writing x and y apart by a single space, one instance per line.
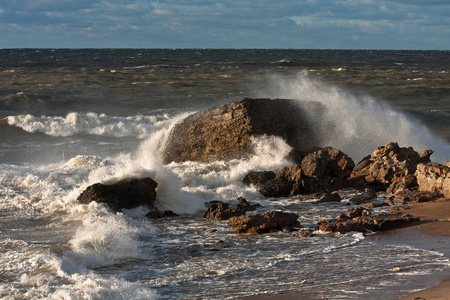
224 133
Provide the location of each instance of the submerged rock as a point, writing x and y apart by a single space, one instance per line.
224 133
158 214
126 193
263 222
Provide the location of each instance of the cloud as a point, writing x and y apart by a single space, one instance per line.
225 23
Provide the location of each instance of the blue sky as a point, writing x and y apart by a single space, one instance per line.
324 24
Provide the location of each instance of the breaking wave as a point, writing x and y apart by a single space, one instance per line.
356 124
89 123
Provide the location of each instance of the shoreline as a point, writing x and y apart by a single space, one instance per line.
432 232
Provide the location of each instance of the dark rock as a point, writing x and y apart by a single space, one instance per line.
245 205
218 211
408 196
364 197
127 193
158 214
224 133
277 187
362 220
263 222
258 179
330 197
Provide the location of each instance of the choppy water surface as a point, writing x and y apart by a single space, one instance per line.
71 118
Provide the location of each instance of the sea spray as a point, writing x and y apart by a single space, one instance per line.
355 124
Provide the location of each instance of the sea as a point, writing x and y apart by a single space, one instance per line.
70 118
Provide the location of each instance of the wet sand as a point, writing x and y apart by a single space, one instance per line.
435 230
432 232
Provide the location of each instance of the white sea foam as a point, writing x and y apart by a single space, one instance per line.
355 124
223 179
90 123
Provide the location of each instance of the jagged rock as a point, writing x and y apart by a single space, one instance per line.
258 179
327 162
390 166
218 210
126 193
434 177
158 214
263 222
224 133
324 170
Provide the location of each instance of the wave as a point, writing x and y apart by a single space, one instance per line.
89 123
355 124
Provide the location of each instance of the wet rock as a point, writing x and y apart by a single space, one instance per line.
263 222
330 197
225 132
364 197
379 204
245 205
286 183
323 170
127 193
158 214
434 177
409 196
218 210
391 167
304 233
362 220
276 188
258 179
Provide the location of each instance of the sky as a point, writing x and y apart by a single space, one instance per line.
301 24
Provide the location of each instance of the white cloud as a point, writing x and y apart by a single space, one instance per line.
226 23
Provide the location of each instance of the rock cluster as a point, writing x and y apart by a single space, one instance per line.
433 177
126 193
361 219
391 167
323 170
224 133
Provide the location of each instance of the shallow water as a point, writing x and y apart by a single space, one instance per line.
72 118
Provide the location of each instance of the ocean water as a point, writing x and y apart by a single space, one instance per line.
73 117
